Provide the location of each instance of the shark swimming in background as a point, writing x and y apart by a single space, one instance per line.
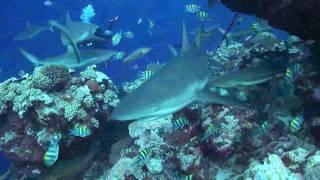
180 82
72 58
81 32
30 32
248 76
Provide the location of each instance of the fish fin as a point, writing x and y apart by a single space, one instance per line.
68 36
185 41
68 18
209 97
33 59
172 50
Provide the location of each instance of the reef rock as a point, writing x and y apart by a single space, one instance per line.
300 18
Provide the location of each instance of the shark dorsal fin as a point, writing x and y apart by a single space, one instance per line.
185 41
68 18
28 25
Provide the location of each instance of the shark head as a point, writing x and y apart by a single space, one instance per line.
177 84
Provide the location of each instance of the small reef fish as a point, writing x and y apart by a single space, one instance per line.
81 130
151 24
116 38
51 155
264 126
143 154
256 27
119 55
242 95
202 15
179 123
189 177
136 54
126 151
193 8
47 3
296 123
209 131
146 74
108 32
139 21
129 34
293 72
266 108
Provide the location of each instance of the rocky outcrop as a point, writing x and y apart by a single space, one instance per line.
298 17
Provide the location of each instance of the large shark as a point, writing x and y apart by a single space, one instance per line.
81 32
248 76
72 58
177 84
30 32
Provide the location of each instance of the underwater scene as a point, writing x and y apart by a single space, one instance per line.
159 90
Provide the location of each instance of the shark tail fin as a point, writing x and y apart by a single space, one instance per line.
68 36
185 40
172 50
33 59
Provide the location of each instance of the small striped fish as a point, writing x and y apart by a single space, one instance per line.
179 123
116 38
192 8
119 55
146 74
264 126
209 131
242 95
126 151
293 72
80 131
266 108
189 177
51 155
296 123
202 15
255 27
143 154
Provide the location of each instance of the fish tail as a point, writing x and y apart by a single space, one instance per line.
33 59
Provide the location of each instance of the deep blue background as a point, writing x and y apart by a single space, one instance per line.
167 16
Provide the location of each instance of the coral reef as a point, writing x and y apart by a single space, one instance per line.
38 107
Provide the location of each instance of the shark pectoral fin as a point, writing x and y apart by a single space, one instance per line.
185 40
208 97
33 59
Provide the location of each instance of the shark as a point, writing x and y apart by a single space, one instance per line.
72 58
30 32
178 83
81 32
253 75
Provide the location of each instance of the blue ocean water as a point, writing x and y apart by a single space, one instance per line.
167 16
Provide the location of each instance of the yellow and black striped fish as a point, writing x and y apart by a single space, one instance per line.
180 123
242 95
193 8
255 27
202 15
143 154
189 177
209 131
81 130
146 74
264 126
51 155
293 71
296 123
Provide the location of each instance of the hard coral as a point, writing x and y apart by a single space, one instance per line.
51 77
